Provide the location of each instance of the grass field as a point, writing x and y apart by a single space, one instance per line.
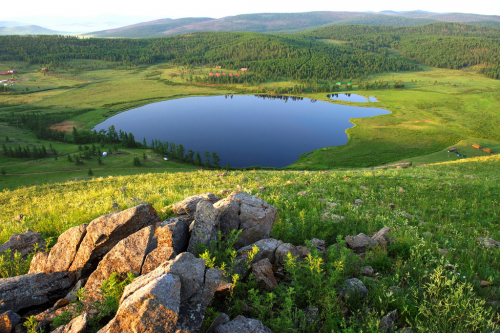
437 109
439 207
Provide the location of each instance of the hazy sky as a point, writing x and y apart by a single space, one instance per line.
220 8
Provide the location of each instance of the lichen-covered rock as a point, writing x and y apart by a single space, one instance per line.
263 273
228 214
267 248
367 271
221 319
151 308
353 288
256 218
38 263
188 205
387 322
126 257
157 257
23 243
173 233
360 243
77 325
242 324
319 244
282 252
25 291
103 233
63 253
488 242
205 225
8 321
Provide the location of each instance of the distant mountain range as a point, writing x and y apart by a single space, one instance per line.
291 22
26 30
124 26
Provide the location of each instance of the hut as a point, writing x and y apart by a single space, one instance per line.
218 67
476 146
488 150
243 69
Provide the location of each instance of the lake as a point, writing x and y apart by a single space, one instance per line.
243 130
352 98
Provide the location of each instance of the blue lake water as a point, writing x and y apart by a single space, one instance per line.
243 130
352 98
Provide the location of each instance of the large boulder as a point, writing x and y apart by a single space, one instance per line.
188 205
126 257
254 217
205 225
61 256
157 257
8 321
283 250
152 307
242 324
25 291
267 248
263 273
360 243
173 233
77 325
105 232
23 243
38 263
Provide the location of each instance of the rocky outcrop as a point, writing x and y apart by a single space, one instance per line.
8 321
157 257
38 263
255 217
152 307
105 232
267 248
126 257
173 233
23 243
263 273
360 243
77 325
242 324
221 319
188 205
283 250
25 291
382 236
205 225
61 256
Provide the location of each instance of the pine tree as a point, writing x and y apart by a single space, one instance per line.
207 159
215 159
197 159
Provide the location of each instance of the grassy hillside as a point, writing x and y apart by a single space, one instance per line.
439 212
26 30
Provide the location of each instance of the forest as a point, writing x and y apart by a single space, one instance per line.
269 55
443 45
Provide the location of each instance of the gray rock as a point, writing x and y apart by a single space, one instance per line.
319 244
23 243
157 257
353 288
174 233
242 324
381 237
8 321
126 257
367 271
205 227
188 205
282 252
360 243
221 319
105 232
387 322
359 202
486 242
77 325
71 296
263 273
267 248
25 291
153 307
228 215
255 217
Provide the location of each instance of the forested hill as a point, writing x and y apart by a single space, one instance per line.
269 55
444 45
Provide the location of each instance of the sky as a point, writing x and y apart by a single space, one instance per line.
221 8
